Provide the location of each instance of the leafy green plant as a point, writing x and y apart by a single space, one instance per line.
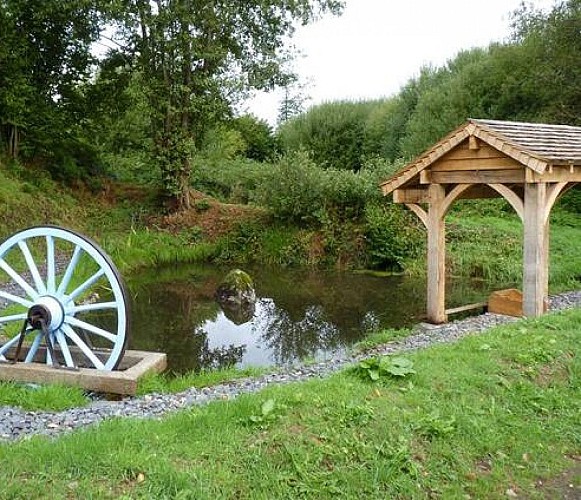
393 235
269 412
201 205
435 425
375 368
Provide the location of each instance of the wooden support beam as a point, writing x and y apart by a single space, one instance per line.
436 255
419 211
512 197
478 177
469 164
561 173
536 250
410 195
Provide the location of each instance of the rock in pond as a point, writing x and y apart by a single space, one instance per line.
236 291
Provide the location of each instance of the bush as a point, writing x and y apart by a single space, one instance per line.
393 235
300 192
294 190
235 180
333 134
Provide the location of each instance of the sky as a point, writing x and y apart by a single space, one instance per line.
376 46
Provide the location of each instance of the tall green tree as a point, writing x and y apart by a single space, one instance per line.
552 41
196 56
44 55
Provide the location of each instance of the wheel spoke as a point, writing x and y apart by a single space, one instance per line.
70 333
31 292
50 265
91 328
90 282
91 307
62 341
40 287
33 348
18 300
6 347
14 317
49 360
69 272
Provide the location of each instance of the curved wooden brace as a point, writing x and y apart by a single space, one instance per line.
452 196
419 211
553 193
514 199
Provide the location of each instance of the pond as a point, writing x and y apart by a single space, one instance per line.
299 315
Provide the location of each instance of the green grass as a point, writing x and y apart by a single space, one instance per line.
167 383
41 397
378 338
135 249
489 248
492 413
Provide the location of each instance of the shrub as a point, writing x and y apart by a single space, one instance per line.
229 180
300 192
393 235
294 189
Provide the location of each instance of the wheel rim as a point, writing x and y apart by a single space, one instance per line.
76 284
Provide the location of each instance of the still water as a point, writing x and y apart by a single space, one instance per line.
299 314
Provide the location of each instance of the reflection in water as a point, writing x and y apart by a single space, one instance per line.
290 339
299 314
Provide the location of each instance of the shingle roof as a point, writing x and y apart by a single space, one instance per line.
534 145
555 143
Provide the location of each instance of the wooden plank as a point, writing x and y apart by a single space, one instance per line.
478 177
467 307
419 211
463 152
137 364
464 164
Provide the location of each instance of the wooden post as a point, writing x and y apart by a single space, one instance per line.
536 250
436 255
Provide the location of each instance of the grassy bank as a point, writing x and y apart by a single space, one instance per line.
490 416
129 223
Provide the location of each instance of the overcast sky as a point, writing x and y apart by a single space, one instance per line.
376 46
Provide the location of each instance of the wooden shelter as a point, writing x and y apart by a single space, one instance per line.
530 165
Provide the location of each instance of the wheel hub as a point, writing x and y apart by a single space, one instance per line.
49 310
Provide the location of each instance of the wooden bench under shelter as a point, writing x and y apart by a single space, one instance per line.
529 164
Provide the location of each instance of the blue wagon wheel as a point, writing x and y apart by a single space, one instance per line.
75 288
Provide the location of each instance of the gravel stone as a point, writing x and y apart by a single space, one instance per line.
17 424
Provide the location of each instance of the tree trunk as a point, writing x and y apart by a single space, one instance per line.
14 142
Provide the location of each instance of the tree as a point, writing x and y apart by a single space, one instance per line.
196 56
44 54
293 101
552 42
259 141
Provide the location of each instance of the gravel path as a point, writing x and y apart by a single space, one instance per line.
15 423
